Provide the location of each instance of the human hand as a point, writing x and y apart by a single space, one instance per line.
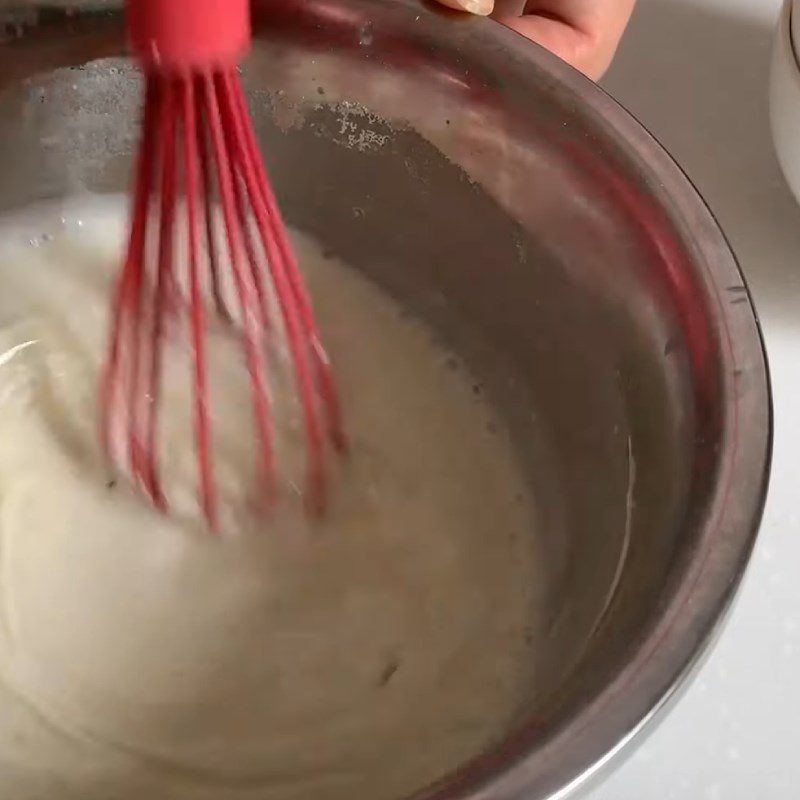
585 33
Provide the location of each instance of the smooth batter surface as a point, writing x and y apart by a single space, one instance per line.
142 657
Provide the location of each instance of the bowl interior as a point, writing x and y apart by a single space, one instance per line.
471 184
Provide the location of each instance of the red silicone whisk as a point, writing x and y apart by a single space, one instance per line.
198 157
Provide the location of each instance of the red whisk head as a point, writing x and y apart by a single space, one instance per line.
199 160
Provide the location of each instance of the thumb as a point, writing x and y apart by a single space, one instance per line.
480 7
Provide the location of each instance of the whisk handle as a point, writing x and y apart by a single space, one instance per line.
188 34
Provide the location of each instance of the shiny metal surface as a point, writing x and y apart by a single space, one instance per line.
549 239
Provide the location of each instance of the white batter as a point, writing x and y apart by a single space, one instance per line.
142 657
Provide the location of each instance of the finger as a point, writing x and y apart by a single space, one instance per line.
585 33
508 8
569 43
480 7
594 17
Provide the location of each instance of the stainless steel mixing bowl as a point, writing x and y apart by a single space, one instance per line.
547 237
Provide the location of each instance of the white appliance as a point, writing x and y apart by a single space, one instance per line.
785 93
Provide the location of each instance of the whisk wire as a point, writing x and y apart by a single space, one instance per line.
248 301
112 391
231 120
163 295
254 260
208 192
321 363
193 141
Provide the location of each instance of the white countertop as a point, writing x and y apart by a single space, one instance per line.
695 73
